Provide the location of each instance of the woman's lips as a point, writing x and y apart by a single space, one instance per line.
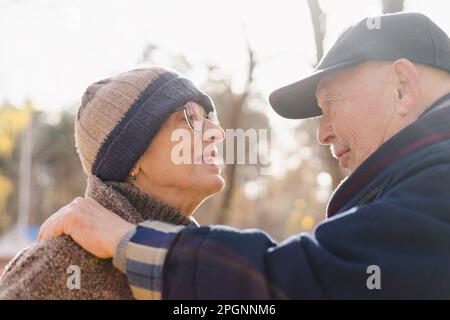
210 158
211 163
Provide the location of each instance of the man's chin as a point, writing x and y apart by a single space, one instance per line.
347 166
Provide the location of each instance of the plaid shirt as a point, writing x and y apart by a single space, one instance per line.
141 254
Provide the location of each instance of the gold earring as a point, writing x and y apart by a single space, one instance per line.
133 177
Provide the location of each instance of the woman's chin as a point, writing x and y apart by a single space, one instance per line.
221 184
212 184
217 184
207 179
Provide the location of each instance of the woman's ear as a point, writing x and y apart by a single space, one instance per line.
407 86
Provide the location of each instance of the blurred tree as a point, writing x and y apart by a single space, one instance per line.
155 55
236 102
237 111
57 172
319 25
392 6
12 123
5 193
55 176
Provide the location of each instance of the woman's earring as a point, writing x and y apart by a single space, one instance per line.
133 177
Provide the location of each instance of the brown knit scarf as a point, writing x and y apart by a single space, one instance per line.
41 270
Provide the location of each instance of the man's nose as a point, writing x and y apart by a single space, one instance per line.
213 132
325 132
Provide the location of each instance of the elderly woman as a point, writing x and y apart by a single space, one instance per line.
123 132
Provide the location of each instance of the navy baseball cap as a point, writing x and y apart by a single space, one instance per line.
412 36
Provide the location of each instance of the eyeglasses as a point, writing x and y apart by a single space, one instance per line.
195 116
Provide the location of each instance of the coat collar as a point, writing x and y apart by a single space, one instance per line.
430 128
131 204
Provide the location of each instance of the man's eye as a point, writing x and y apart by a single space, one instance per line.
330 103
327 104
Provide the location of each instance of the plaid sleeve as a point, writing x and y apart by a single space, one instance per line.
141 255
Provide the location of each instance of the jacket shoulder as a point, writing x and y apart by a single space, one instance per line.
47 269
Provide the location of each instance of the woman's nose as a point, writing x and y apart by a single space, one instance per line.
213 132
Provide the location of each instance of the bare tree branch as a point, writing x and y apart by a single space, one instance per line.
318 21
237 106
392 6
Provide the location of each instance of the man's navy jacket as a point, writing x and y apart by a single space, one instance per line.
387 236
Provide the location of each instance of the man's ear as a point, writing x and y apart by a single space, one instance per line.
407 86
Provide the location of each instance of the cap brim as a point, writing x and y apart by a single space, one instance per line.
298 100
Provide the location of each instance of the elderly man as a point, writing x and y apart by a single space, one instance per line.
383 91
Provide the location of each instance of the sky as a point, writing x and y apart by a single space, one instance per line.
51 50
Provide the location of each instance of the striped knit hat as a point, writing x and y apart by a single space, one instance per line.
119 116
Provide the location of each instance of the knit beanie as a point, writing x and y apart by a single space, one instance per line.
119 116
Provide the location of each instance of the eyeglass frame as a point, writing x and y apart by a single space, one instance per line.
205 116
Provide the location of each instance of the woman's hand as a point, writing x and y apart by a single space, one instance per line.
89 224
